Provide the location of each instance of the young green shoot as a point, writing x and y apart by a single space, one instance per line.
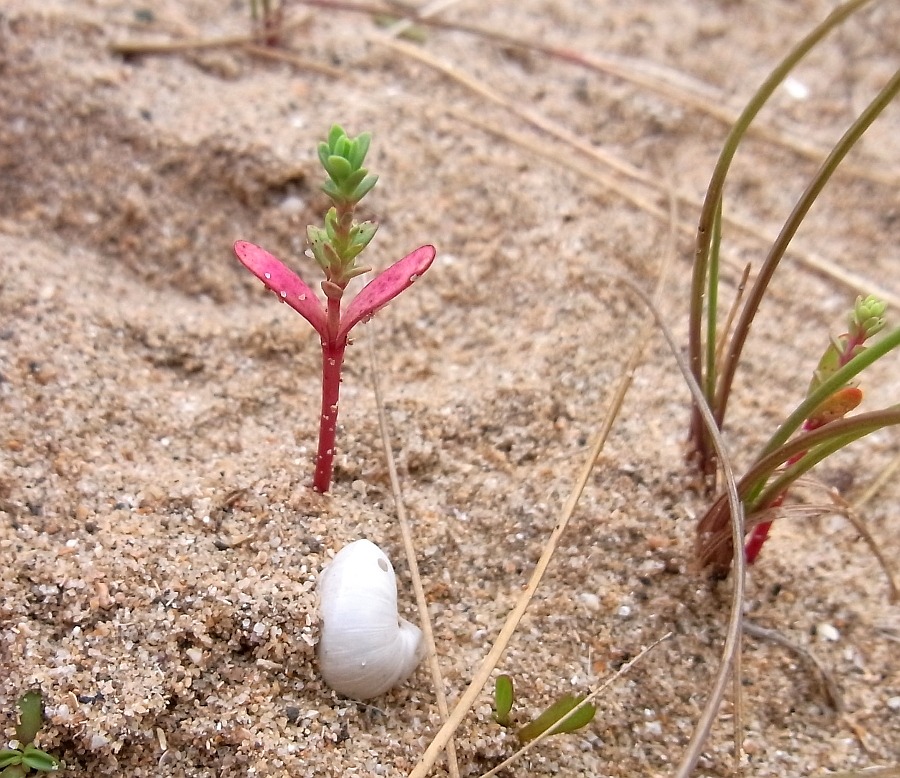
17 762
705 280
504 695
336 248
554 720
865 321
820 418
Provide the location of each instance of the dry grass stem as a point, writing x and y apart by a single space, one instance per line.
247 43
672 84
729 666
409 548
140 47
878 484
732 313
874 772
826 267
482 675
852 515
829 688
283 55
418 15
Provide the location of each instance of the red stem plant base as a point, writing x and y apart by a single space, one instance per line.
714 549
332 325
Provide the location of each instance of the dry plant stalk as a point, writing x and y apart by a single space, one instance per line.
409 548
632 174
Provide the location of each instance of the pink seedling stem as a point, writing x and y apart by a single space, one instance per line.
332 324
335 247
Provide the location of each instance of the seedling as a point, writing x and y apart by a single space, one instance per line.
832 393
504 696
555 719
16 762
336 248
824 431
865 320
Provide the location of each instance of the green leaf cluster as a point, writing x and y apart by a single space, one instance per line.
335 249
336 246
17 762
343 157
867 317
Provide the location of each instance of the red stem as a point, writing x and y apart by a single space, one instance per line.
332 362
760 532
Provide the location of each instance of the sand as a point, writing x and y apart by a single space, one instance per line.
158 409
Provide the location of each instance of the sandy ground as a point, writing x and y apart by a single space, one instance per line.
158 410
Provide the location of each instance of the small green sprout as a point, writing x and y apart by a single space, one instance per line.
824 426
504 694
555 719
17 762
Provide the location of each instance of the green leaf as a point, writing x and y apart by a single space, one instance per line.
550 717
357 271
343 148
360 149
362 234
15 771
324 153
334 192
355 178
828 365
39 760
331 223
364 188
30 716
334 135
10 756
338 168
504 694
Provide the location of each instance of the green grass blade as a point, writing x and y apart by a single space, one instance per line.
788 230
503 699
712 307
717 182
855 427
31 716
814 456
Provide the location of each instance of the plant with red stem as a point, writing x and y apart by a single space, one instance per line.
715 351
335 247
824 429
865 320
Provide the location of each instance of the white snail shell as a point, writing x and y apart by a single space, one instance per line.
365 648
